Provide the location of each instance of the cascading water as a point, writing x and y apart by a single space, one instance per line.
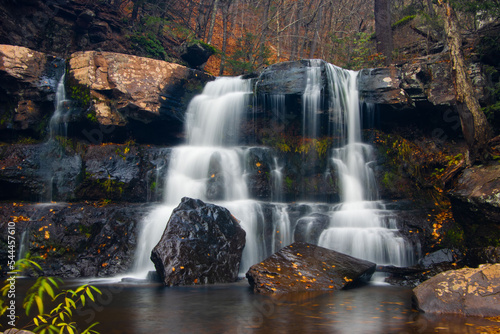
360 225
211 167
58 125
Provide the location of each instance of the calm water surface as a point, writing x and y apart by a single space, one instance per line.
233 308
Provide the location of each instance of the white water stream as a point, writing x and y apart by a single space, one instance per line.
211 167
360 225
213 119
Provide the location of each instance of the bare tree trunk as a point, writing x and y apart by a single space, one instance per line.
475 126
316 31
212 22
225 19
135 10
430 9
383 30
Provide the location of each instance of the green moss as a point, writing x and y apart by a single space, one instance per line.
403 21
454 238
85 230
289 183
148 43
80 94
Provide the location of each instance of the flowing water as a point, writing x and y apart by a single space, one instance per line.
212 167
360 225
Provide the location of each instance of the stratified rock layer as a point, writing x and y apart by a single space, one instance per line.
468 291
306 267
202 243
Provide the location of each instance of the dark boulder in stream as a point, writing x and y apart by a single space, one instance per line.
201 244
306 267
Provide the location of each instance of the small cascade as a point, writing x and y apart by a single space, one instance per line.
360 225
51 150
58 125
277 182
23 244
311 100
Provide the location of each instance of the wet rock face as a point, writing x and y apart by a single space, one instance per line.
467 291
59 172
306 267
201 244
75 239
309 228
382 86
288 78
475 199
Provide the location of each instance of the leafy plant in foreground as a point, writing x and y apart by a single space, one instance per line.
60 318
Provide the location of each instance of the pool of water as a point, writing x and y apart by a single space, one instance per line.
234 308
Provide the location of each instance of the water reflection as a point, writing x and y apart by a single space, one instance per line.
233 308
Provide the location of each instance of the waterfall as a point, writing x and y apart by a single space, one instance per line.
360 225
51 151
212 167
58 125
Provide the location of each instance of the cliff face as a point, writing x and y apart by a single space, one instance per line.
62 27
128 103
114 95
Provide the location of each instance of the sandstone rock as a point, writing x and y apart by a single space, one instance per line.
28 83
130 91
467 291
475 199
306 267
426 79
17 331
201 244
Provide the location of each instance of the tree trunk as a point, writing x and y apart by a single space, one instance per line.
475 126
316 31
212 22
383 30
225 19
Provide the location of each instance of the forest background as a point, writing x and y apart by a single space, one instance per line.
248 34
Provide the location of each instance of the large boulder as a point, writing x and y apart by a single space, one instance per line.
201 244
125 87
196 54
306 267
475 200
467 291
